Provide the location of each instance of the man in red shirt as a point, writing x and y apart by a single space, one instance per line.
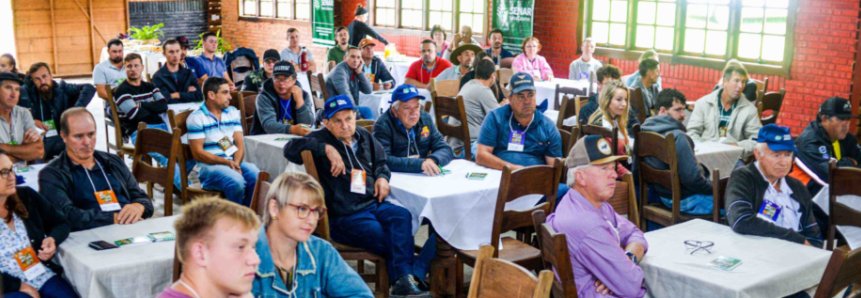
428 67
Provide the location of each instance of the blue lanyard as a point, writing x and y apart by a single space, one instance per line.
285 105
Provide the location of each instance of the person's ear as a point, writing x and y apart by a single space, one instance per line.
273 209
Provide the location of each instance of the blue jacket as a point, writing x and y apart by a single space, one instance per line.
184 78
320 272
393 136
66 96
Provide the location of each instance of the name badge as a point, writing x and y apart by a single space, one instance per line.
107 200
52 129
370 77
286 121
722 132
769 211
29 263
227 146
357 182
584 76
515 141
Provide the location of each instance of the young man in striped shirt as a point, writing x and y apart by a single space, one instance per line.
215 136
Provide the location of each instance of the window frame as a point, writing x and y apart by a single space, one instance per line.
274 17
426 27
678 56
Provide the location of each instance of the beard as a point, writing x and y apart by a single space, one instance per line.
46 92
497 45
118 60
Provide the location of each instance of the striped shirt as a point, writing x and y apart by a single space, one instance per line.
203 125
142 103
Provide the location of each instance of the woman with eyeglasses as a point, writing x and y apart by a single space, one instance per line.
530 62
31 231
293 263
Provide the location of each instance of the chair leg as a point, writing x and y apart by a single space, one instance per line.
383 282
458 280
360 266
168 204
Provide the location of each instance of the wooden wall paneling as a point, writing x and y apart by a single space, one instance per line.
92 35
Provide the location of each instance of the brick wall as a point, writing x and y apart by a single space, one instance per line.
180 18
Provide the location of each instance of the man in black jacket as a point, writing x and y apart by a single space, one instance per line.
176 83
352 170
91 188
47 100
828 137
761 200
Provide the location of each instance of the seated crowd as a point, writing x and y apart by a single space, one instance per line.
226 250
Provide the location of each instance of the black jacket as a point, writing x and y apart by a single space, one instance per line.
358 31
815 149
66 95
371 156
184 78
56 183
693 178
744 196
42 221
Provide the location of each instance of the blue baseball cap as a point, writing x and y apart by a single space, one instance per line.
405 92
336 104
776 137
520 82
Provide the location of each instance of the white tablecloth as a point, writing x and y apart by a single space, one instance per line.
150 59
460 210
547 89
399 69
716 155
379 103
852 234
132 271
31 176
769 267
268 154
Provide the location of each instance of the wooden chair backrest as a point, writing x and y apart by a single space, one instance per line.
650 144
318 89
842 181
455 109
238 102
533 180
501 278
719 193
118 127
569 91
322 230
504 76
506 63
367 124
635 97
258 197
771 101
624 199
587 130
570 107
447 87
179 122
555 255
151 140
842 271
567 141
428 106
250 101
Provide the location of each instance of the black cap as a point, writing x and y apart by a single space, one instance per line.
183 42
10 76
284 68
837 106
271 54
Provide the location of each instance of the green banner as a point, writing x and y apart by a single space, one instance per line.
514 18
323 25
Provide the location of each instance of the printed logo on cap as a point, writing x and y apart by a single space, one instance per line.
604 146
778 138
342 102
333 104
787 137
847 106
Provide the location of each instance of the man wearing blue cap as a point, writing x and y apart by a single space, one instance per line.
355 178
411 140
762 200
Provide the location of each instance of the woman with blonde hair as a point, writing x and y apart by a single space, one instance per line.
530 62
614 108
294 263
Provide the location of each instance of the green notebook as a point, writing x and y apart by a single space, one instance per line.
476 176
725 263
162 236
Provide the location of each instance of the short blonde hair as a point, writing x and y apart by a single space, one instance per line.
199 216
527 40
287 185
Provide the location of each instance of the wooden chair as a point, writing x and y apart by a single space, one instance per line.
250 102
635 98
454 109
842 271
445 87
258 197
381 278
318 89
568 140
719 193
120 146
534 180
569 91
238 102
506 63
842 181
650 144
760 86
162 142
366 124
570 107
428 106
179 123
503 75
555 255
501 278
771 101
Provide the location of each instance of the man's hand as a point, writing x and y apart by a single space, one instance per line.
297 129
232 87
377 86
297 95
430 168
381 189
29 290
49 248
131 213
31 136
360 68
336 161
191 89
235 166
387 86
601 288
41 125
515 167
174 95
549 77
807 243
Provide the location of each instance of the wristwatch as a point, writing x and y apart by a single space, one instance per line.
632 257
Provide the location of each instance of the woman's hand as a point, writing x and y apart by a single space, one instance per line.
49 248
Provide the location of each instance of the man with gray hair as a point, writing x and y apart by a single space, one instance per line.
604 246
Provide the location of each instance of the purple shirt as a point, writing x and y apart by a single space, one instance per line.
595 240
171 293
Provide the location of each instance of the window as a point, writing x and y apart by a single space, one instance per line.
280 9
697 32
424 14
472 14
411 14
441 12
385 13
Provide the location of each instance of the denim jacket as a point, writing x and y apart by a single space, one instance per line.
320 272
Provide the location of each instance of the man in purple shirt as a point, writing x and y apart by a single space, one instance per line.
605 247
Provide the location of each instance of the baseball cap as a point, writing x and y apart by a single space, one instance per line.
366 42
837 106
283 68
6 75
591 150
336 104
406 92
776 137
183 42
521 81
271 54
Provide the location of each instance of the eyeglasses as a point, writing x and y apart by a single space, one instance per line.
5 172
281 80
695 246
304 210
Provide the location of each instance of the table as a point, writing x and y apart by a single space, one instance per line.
399 69
547 89
131 271
31 177
267 154
379 101
715 155
852 234
769 267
